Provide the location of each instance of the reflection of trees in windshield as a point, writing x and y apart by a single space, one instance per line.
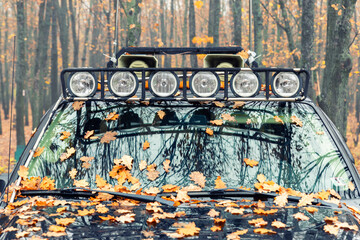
291 156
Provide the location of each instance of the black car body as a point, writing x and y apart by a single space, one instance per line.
169 160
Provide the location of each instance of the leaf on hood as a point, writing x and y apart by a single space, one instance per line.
146 145
216 228
55 228
198 178
235 211
64 221
331 220
278 224
108 137
22 234
152 191
260 211
189 229
236 235
213 213
38 151
77 105
311 210
301 217
101 208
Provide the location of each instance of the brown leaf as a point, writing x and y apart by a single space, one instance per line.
300 216
142 165
238 104
217 122
65 135
250 162
311 209
258 222
77 105
64 221
281 200
209 131
146 145
54 228
85 212
166 165
73 173
216 228
306 199
213 213
189 229
112 116
219 183
153 175
331 229
264 231
127 218
161 114
198 178
108 137
278 224
235 211
88 134
261 178
351 186
100 182
38 151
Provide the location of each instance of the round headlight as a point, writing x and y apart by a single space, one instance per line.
123 84
285 84
245 84
164 84
204 84
82 84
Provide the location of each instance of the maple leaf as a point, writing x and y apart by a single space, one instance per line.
198 4
47 184
209 131
127 161
64 221
86 165
38 151
281 200
182 196
166 165
295 120
261 178
112 116
228 117
265 212
62 209
100 182
85 212
264 231
189 229
108 137
54 228
306 199
279 120
161 114
198 178
22 234
217 122
142 165
152 175
73 173
216 228
219 183
10 229
107 218
311 209
127 218
146 145
219 104
219 221
278 224
250 162
65 135
235 211
238 104
300 216
236 235
69 152
331 229
81 183
77 105
101 209
23 172
258 222
213 213
88 134
86 159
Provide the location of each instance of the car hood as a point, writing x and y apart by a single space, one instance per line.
104 222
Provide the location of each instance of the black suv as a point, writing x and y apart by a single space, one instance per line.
134 151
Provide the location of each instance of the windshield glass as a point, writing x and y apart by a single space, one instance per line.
288 142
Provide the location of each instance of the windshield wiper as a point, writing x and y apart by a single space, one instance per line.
73 192
235 192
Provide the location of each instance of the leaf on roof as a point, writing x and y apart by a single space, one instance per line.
152 175
86 212
108 137
258 222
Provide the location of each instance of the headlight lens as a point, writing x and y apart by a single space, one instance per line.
204 84
123 84
164 84
286 84
82 84
245 84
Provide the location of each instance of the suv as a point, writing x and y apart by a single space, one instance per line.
134 151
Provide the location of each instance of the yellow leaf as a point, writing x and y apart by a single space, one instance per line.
198 4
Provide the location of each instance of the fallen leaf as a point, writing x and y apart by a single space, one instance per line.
85 212
281 200
73 173
64 221
198 178
47 184
142 165
235 211
311 209
219 183
209 131
127 218
189 229
54 228
65 135
216 228
38 151
23 172
300 216
112 116
108 137
258 222
265 212
146 145
295 120
228 117
161 114
331 229
306 199
250 162
77 105
217 122
81 183
238 104
88 134
22 234
100 182
331 220
351 186
278 224
213 213
279 120
264 231
127 161
261 178
166 165
236 235
219 104
153 175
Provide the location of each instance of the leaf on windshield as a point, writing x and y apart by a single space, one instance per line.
112 116
219 104
152 191
228 117
217 122
209 131
101 208
279 120
108 137
219 183
258 222
264 231
261 178
281 200
166 165
64 221
161 114
100 182
301 217
142 165
170 188
47 184
189 229
351 186
331 229
23 172
213 213
295 120
69 152
65 135
152 175
278 224
127 161
77 105
81 183
250 162
323 195
198 178
238 104
88 134
38 151
146 145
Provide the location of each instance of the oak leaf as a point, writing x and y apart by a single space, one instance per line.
219 183
38 151
188 229
182 196
306 199
166 165
108 137
209 131
152 191
127 161
146 145
47 184
265 212
112 116
100 182
101 208
198 178
250 162
161 114
77 105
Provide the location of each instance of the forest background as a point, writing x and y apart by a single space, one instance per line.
319 35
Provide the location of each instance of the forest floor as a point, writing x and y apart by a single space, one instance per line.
5 136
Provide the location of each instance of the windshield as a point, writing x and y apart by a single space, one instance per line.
169 141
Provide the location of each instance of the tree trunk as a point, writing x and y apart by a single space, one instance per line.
54 57
94 48
185 30
236 9
86 41
338 63
308 41
20 71
192 32
132 11
258 29
74 36
62 12
214 20
171 40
